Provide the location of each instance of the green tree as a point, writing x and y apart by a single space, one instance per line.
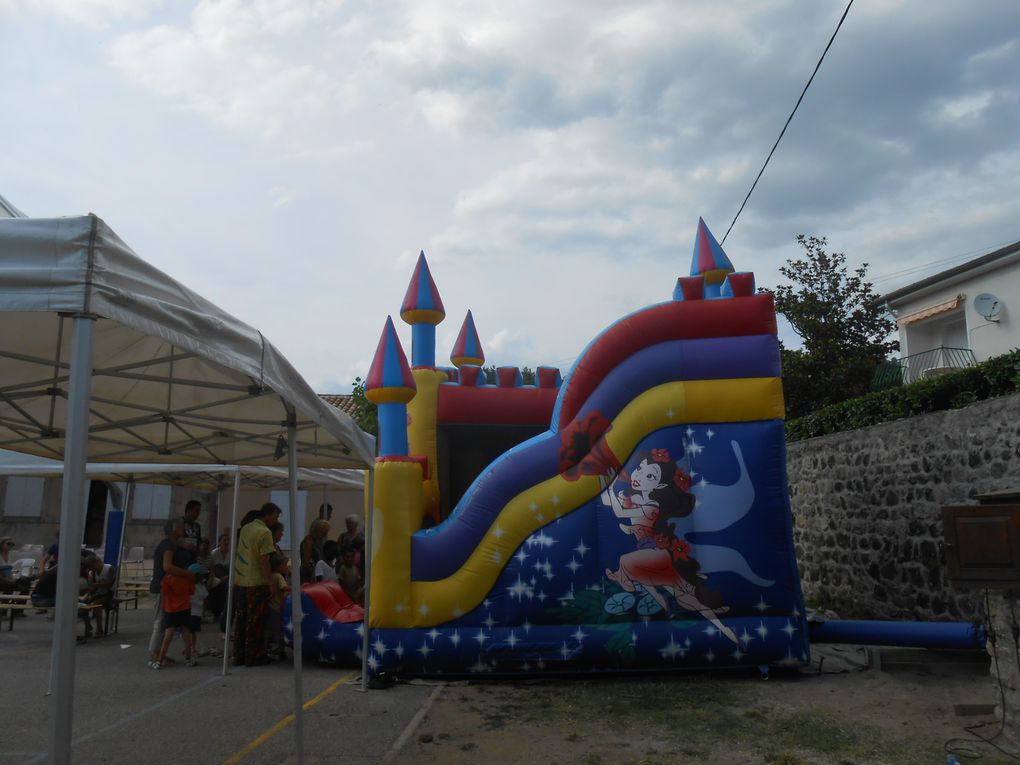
527 374
844 329
364 410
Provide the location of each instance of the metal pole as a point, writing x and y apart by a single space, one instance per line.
295 593
369 513
230 574
72 512
129 492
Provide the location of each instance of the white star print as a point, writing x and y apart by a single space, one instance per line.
762 630
581 549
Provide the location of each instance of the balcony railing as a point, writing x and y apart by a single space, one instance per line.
928 364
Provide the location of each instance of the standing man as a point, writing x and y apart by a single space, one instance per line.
192 531
253 587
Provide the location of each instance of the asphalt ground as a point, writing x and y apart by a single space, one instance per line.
126 713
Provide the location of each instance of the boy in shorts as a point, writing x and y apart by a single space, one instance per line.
175 594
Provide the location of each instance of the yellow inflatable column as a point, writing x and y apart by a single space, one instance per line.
421 434
398 495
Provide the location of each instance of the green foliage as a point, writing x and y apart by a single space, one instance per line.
364 410
843 327
526 372
999 376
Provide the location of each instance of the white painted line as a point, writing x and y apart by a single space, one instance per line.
409 730
131 718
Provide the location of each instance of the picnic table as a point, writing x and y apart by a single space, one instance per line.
14 602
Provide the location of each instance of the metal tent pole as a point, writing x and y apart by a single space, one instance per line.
295 593
230 574
369 513
72 506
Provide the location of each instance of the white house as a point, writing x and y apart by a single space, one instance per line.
963 315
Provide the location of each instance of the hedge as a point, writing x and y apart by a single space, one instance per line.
998 376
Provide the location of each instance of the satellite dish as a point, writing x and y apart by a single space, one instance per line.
988 306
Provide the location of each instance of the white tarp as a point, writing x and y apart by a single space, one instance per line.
104 358
175 379
208 477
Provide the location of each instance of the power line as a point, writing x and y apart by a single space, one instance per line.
936 263
788 120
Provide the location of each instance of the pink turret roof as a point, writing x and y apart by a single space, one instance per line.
422 303
468 348
389 378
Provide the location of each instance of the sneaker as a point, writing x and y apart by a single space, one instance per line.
191 662
155 665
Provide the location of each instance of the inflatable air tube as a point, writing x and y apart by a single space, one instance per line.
903 634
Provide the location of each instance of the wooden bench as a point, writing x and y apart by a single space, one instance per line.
12 603
132 591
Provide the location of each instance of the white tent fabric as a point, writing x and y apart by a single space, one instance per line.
7 210
175 379
104 358
209 477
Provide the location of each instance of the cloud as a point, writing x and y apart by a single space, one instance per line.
92 13
267 69
552 159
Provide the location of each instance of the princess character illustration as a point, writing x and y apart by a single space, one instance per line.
662 563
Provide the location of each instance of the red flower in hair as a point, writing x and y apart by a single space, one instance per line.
681 480
583 448
680 550
660 455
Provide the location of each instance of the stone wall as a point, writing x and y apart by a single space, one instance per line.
868 524
867 507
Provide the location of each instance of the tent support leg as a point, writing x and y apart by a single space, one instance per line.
295 579
72 516
230 574
369 513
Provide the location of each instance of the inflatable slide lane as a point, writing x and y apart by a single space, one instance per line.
632 516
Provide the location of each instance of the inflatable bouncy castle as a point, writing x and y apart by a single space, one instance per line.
633 515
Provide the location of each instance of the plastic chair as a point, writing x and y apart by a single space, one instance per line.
25 567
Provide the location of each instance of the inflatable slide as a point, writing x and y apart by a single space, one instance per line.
633 515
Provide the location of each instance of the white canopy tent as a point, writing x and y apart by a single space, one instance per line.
104 358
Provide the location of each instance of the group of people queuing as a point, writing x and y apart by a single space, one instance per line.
341 560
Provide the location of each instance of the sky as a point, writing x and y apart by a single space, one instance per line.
288 159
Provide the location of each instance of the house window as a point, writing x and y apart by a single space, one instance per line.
24 497
150 502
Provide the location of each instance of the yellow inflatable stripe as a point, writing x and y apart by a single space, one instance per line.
692 401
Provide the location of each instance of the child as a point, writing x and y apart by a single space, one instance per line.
280 565
325 569
349 575
175 597
198 596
